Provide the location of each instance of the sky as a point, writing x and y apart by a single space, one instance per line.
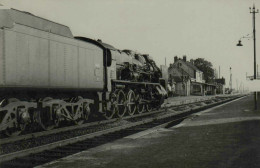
208 29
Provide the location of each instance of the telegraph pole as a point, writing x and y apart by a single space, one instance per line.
237 84
219 72
253 11
257 73
230 81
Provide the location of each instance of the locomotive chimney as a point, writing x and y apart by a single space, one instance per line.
175 59
184 58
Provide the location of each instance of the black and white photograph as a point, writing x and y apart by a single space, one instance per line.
129 84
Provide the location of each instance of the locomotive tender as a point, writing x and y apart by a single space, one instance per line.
47 76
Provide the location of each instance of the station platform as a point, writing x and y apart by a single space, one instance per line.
180 100
226 136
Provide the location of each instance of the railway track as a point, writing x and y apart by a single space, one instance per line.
5 140
68 128
93 134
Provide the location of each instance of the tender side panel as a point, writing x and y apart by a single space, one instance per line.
40 59
57 64
26 57
63 63
91 66
75 64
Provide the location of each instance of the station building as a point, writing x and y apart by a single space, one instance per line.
188 79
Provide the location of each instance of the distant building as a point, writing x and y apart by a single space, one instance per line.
188 78
220 85
181 79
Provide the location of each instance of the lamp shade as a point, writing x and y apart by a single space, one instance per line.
239 43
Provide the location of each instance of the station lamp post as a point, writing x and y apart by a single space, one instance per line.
253 11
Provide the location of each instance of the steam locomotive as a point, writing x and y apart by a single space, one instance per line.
48 76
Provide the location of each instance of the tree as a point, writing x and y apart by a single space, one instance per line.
206 67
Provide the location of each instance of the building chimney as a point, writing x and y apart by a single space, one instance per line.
184 58
175 59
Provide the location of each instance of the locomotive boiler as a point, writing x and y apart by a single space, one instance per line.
48 76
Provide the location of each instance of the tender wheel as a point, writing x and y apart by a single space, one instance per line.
121 107
45 115
12 132
140 105
2 102
84 111
57 113
131 104
110 112
24 117
15 130
80 109
80 120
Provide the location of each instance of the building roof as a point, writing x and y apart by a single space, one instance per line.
180 73
191 65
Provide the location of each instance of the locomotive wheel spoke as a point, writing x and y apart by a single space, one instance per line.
140 106
148 107
109 114
121 100
131 106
